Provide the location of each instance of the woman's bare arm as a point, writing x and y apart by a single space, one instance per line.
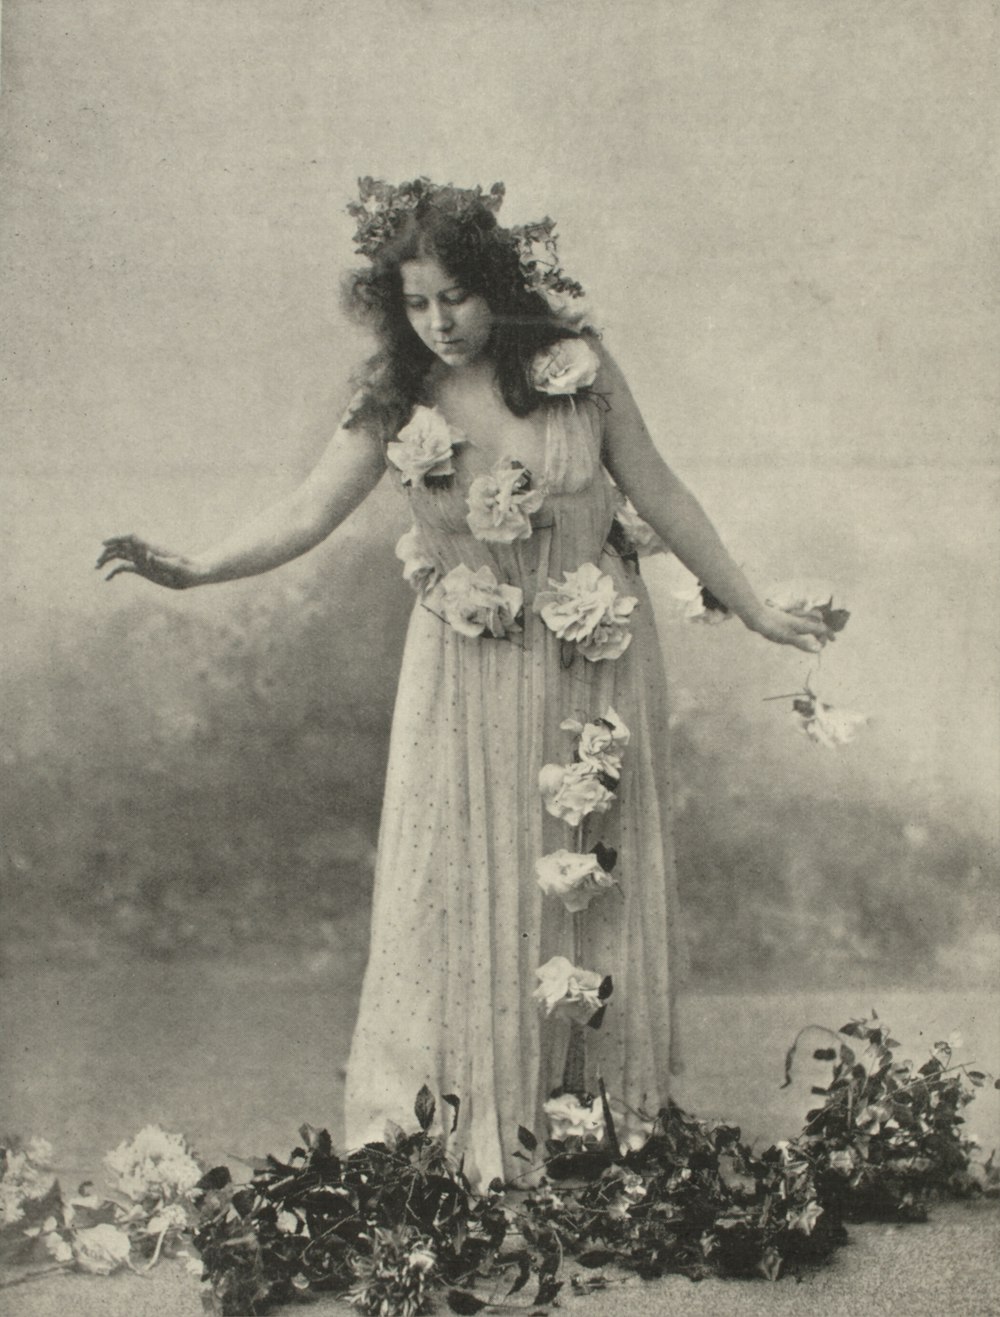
346 473
678 518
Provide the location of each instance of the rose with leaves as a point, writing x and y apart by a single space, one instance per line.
809 599
501 504
420 571
572 791
642 539
600 742
700 605
565 989
475 603
586 609
155 1164
423 452
569 1118
824 724
573 878
568 365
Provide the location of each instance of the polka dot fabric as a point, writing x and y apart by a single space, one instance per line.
459 923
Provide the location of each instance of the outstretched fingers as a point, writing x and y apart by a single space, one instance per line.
122 567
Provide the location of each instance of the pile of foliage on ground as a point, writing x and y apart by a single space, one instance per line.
397 1223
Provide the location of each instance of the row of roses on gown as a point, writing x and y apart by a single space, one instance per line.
588 615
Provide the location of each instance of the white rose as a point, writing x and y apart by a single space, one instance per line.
568 1117
574 879
572 791
424 447
475 602
567 365
58 1248
419 569
571 991
501 504
641 535
171 1217
610 638
826 725
800 596
599 742
100 1250
586 608
575 312
695 608
154 1163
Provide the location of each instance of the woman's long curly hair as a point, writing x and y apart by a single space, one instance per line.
483 258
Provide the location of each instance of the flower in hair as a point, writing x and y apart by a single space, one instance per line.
383 207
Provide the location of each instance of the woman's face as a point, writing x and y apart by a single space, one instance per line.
453 323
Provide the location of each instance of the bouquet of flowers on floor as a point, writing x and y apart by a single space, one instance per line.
148 1211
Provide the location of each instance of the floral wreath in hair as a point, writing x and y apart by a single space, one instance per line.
383 207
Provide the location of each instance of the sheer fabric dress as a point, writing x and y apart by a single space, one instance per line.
459 922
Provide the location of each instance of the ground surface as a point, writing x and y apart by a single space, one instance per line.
238 1056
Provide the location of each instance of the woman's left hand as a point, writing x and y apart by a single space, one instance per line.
806 631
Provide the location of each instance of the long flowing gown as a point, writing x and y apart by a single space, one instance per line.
459 922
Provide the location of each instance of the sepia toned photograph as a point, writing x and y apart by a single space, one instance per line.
500 657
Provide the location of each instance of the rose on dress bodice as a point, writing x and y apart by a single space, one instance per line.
424 449
501 503
419 569
475 603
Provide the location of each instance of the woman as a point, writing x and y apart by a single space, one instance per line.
524 886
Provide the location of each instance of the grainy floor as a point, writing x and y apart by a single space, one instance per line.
237 1056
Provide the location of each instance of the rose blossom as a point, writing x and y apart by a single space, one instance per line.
100 1250
586 608
501 504
696 609
425 447
641 535
568 1117
824 724
572 791
419 569
154 1164
598 742
563 987
475 602
567 365
575 879
576 312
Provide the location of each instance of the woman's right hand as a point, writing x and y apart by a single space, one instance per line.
136 555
